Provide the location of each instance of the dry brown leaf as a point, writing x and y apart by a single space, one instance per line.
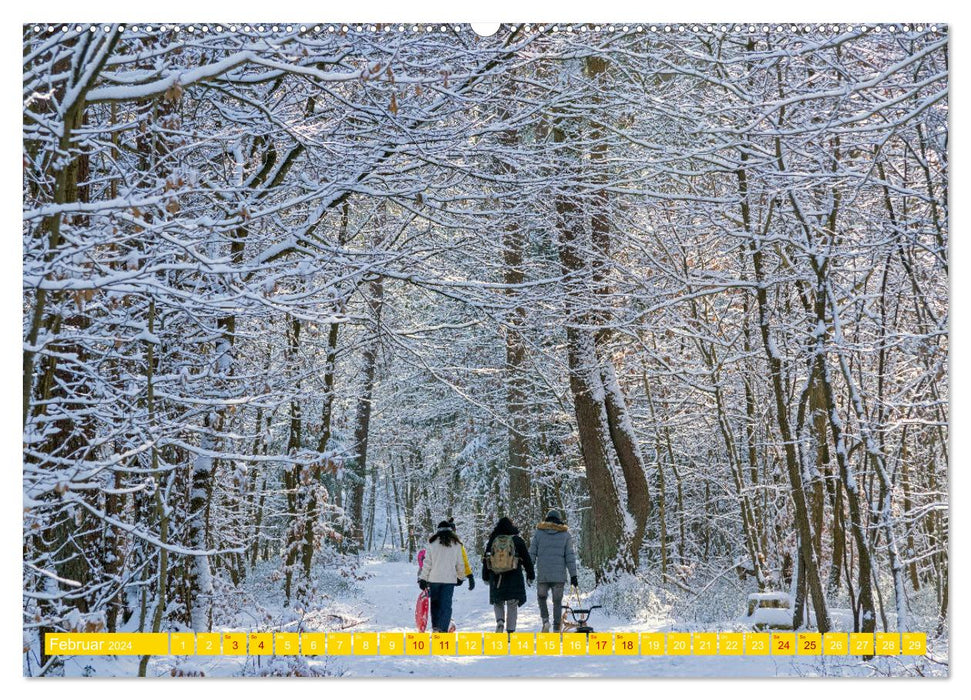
174 93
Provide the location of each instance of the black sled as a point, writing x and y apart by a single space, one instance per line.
580 618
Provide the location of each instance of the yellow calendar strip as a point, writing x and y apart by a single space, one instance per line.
418 644
836 644
600 644
261 644
444 643
783 643
574 644
208 643
809 644
313 643
625 644
548 644
339 643
913 644
496 644
861 644
679 643
652 643
106 644
888 643
365 643
234 644
286 643
488 644
182 643
731 643
470 643
705 643
391 644
522 643
757 643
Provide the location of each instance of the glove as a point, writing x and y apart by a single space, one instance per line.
471 581
574 582
422 584
529 581
458 582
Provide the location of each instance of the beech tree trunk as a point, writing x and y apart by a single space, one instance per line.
621 429
609 539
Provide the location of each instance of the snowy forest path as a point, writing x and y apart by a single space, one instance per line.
387 601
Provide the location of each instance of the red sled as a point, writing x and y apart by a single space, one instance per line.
422 606
421 611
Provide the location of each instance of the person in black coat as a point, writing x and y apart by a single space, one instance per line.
507 590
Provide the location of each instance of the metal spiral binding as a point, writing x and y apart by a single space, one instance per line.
426 28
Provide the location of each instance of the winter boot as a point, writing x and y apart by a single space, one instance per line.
546 625
500 626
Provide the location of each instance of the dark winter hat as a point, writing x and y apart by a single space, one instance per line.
446 525
554 516
505 526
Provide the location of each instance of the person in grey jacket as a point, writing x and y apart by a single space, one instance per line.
553 556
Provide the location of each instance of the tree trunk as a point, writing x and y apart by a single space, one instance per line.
520 506
804 529
362 420
628 455
296 483
199 573
622 436
611 537
661 504
609 543
877 462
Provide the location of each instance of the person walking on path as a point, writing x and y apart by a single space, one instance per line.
552 551
441 571
503 563
465 559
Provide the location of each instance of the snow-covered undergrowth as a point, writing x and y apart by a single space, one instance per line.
643 599
631 598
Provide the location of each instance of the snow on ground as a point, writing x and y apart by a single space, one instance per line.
384 601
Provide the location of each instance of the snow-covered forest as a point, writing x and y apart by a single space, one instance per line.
293 294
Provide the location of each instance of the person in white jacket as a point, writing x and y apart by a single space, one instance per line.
442 570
